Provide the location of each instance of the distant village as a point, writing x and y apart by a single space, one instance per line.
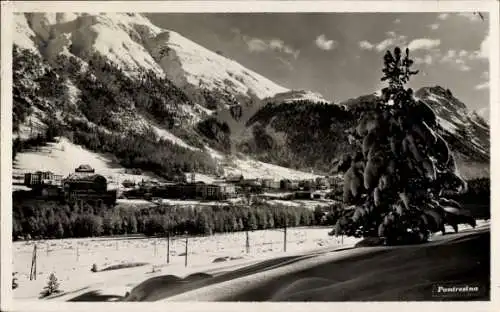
84 184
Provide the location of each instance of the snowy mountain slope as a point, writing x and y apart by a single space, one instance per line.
305 137
466 129
187 62
133 44
131 41
62 157
294 95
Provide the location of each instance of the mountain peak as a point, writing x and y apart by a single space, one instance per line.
132 42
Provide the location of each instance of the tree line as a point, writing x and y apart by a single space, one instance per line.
45 219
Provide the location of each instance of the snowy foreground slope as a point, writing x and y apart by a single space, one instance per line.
72 259
307 248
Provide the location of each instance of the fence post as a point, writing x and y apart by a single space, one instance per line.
77 253
47 249
186 252
154 244
284 231
168 247
247 242
116 245
33 264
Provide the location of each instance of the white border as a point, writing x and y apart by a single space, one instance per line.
8 8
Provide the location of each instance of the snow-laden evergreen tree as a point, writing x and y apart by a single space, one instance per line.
52 286
395 183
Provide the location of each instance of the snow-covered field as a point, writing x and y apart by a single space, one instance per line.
72 259
310 204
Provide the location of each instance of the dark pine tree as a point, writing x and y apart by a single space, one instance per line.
395 180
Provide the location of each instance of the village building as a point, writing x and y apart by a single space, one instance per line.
85 169
42 178
271 184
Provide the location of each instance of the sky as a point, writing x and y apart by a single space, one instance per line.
340 54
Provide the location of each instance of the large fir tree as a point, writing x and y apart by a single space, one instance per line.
396 180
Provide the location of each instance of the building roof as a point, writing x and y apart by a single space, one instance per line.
83 178
84 167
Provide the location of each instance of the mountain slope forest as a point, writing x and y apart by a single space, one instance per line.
306 135
104 117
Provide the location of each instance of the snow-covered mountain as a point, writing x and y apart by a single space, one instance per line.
132 42
456 119
116 75
311 137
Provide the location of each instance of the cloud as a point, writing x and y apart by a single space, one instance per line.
459 59
424 60
279 45
325 44
400 40
260 45
482 53
482 86
485 47
256 45
392 41
365 45
450 55
443 16
464 67
434 26
471 16
423 44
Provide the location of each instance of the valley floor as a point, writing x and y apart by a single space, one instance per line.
308 249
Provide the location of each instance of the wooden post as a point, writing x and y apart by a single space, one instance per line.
168 247
186 252
116 245
77 253
155 252
284 231
47 249
33 264
34 271
247 242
